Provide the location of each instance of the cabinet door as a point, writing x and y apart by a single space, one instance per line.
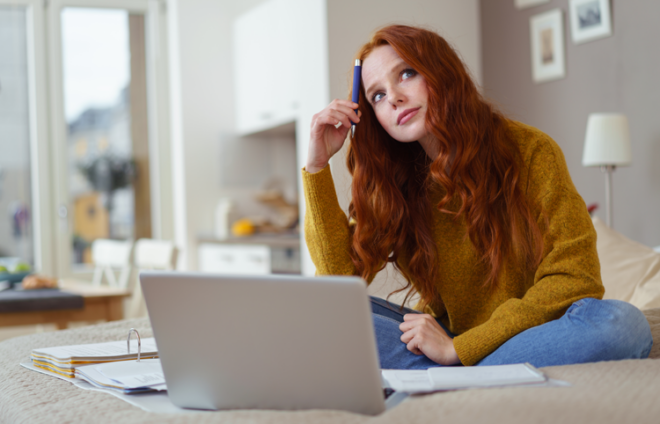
234 259
264 67
285 89
253 67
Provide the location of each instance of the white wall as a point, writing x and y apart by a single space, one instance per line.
202 111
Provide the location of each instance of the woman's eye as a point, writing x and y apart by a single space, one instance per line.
377 97
408 73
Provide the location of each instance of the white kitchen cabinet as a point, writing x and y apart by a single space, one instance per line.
234 259
265 66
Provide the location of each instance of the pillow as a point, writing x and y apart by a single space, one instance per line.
630 270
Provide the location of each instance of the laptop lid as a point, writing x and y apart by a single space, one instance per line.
272 342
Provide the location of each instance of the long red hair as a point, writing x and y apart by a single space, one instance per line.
390 199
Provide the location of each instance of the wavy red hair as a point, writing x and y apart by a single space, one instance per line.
390 202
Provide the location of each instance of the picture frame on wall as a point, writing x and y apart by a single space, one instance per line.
590 20
523 4
547 41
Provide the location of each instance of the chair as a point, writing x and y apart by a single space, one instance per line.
108 255
104 297
149 255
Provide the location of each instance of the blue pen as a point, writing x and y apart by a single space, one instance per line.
357 74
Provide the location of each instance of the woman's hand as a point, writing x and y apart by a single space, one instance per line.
326 138
423 335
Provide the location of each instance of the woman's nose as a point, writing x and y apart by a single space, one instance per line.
396 98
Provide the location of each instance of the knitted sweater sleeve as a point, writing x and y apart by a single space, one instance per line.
326 225
569 270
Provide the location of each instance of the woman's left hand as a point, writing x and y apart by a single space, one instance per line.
423 335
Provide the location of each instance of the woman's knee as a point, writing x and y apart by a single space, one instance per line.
386 330
383 307
622 329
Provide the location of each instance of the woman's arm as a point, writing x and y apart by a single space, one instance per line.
569 270
326 226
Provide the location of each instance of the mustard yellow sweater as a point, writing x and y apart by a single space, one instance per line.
483 319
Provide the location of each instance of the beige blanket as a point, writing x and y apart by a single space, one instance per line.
603 393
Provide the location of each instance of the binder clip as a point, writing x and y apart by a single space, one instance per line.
128 342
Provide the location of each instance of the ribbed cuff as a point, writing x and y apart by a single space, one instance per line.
477 343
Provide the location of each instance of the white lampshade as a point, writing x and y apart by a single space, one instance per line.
607 141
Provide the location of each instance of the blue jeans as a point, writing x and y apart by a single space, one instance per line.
591 330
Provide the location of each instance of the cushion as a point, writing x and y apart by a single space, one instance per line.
653 317
630 270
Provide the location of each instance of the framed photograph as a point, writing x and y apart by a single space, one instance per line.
590 20
523 4
547 39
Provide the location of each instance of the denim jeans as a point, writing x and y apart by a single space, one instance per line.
591 330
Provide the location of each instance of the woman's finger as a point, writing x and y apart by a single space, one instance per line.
408 325
348 111
412 346
407 336
341 117
326 119
343 102
322 123
414 317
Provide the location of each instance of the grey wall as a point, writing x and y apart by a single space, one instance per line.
616 74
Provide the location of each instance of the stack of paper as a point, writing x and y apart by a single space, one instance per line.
106 365
127 376
64 360
452 378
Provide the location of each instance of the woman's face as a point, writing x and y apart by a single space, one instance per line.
397 94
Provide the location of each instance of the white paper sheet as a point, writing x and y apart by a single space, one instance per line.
454 378
129 374
408 381
447 378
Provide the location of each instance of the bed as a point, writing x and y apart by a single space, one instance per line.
603 392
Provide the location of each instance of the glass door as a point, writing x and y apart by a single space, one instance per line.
24 236
101 76
16 229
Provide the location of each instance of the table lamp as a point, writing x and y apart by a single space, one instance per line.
607 144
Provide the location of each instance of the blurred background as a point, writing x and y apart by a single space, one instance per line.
188 120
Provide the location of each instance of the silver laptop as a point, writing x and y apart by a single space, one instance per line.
273 342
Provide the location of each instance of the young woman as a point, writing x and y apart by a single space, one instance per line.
477 212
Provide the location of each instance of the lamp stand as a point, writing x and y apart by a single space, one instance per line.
608 169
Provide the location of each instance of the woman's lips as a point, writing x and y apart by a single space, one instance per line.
406 115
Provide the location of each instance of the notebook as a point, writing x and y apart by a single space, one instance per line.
453 378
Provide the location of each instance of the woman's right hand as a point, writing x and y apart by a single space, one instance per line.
326 138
